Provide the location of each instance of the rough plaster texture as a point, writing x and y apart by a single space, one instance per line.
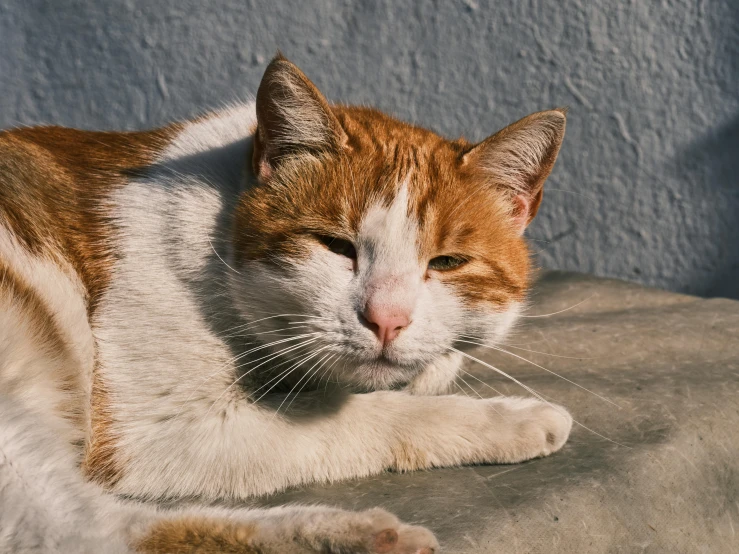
646 188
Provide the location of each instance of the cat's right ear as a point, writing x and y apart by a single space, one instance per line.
293 117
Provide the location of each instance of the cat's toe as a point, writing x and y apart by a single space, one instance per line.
534 428
385 541
390 536
546 429
415 540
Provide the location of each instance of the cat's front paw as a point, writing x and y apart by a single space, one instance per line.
537 428
379 532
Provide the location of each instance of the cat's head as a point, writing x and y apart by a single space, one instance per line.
372 246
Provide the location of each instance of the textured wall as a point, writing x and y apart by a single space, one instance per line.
647 186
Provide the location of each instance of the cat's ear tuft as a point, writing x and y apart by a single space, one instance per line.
519 158
293 117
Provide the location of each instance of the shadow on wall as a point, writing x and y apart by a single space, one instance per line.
723 154
720 152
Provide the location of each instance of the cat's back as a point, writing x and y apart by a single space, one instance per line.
56 257
54 186
79 212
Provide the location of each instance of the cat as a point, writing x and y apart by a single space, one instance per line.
271 295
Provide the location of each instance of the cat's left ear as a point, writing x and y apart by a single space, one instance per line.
520 158
293 117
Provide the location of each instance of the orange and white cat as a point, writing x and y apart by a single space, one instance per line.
268 296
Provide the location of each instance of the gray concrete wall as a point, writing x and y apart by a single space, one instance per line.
647 185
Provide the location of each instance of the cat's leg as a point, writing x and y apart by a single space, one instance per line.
46 507
397 430
284 530
452 430
259 451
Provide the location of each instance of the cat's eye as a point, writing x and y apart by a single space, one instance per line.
338 246
445 263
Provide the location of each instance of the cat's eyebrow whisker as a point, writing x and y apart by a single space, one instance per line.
532 391
493 347
560 311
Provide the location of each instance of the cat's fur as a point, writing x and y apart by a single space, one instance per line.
162 293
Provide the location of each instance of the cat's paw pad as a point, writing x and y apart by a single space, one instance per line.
387 535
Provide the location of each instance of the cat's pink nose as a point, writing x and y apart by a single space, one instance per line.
385 323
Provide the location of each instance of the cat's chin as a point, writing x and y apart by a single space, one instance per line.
382 373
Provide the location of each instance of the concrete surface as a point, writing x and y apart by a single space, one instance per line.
646 188
671 364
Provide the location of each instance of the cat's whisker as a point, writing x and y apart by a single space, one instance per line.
287 372
492 388
461 389
285 362
254 322
533 392
272 356
245 333
219 257
228 366
493 347
248 372
331 373
488 385
560 311
469 386
334 357
515 347
274 316
311 337
228 363
327 373
297 326
307 376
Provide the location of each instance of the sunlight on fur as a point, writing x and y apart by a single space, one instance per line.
276 294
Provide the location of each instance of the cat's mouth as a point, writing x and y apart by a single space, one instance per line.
389 363
384 359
